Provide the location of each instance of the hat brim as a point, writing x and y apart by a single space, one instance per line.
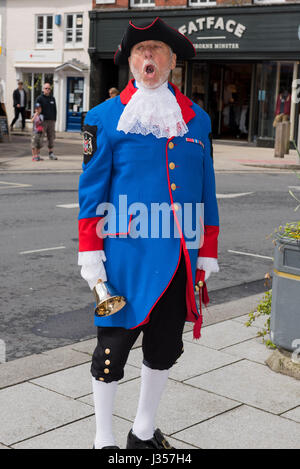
158 30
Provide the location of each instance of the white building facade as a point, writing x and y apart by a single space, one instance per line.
2 46
47 42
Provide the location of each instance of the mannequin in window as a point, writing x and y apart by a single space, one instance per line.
283 107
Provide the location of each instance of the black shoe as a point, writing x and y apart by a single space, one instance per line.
108 447
158 441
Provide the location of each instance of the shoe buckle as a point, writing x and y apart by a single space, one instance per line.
166 444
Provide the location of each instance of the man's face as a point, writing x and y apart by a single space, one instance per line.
20 86
151 62
46 89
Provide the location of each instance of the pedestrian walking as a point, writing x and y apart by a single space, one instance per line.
150 145
2 103
49 111
20 101
37 133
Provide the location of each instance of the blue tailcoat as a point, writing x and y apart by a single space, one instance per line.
148 170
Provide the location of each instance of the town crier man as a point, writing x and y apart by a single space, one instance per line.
149 147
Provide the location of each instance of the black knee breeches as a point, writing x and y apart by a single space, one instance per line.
162 335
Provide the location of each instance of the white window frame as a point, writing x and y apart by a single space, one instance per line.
44 44
204 3
73 44
151 3
104 2
268 2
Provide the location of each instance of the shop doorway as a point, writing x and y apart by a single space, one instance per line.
75 88
274 80
224 91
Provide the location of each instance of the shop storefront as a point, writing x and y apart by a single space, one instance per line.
69 81
247 57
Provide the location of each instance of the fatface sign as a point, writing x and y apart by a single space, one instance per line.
271 32
220 29
244 32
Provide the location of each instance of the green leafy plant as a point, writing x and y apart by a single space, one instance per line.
263 309
289 230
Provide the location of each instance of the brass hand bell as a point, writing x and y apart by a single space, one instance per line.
108 301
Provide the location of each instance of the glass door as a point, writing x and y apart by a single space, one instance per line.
75 87
273 80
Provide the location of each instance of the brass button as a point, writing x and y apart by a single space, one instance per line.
176 208
107 351
171 145
173 186
106 371
101 379
107 362
172 165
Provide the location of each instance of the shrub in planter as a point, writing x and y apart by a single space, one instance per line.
281 305
285 308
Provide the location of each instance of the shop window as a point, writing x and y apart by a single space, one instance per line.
44 30
273 80
199 3
178 76
142 3
33 85
74 29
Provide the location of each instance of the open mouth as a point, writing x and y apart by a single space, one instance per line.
149 69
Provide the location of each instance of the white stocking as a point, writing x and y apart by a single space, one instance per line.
104 396
152 386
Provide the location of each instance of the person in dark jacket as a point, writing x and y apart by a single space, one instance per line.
48 104
20 101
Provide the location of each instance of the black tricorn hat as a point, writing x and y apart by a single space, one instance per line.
156 30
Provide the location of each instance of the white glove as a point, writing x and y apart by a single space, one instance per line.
92 266
208 264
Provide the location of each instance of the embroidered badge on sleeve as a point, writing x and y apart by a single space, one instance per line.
89 142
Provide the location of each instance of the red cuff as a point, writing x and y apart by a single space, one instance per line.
210 245
89 230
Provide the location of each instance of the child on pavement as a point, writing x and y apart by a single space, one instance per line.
37 133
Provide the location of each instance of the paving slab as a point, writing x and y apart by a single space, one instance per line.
80 435
85 346
195 360
29 410
181 406
259 323
254 350
293 414
33 366
3 447
77 381
252 384
221 335
244 428
230 309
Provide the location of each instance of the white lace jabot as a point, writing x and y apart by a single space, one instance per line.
153 111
